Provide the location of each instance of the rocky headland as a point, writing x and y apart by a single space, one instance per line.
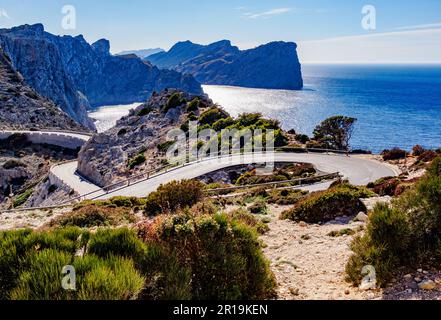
271 66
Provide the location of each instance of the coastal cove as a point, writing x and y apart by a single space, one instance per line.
386 99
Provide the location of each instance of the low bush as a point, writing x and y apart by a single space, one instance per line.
145 111
212 115
94 216
259 207
174 196
327 205
163 147
118 202
12 164
385 186
285 196
206 258
31 265
242 215
174 101
302 138
418 150
136 161
405 234
427 156
384 246
22 198
394 154
193 105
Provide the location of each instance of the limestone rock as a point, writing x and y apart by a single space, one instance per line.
77 75
427 285
22 108
362 217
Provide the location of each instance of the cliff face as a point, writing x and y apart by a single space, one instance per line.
273 66
76 75
22 108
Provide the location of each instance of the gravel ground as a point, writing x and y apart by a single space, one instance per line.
310 265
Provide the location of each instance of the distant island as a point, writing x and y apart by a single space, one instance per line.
271 66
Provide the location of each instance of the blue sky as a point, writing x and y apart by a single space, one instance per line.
326 30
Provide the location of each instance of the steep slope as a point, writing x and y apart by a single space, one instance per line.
273 66
22 108
41 64
77 75
106 157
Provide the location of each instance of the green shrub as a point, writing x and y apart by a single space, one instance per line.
327 205
406 234
136 161
145 111
220 259
212 115
31 264
163 147
173 196
394 154
94 216
418 150
385 186
12 249
259 207
113 278
119 242
242 215
118 202
12 164
174 101
22 198
285 196
193 105
42 279
302 138
384 246
223 123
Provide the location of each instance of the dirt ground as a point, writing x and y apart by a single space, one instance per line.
309 264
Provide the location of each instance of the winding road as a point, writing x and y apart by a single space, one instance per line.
357 169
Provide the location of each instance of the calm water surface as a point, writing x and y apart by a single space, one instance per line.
396 105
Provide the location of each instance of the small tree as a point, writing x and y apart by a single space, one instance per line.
335 132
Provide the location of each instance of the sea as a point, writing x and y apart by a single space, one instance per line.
396 105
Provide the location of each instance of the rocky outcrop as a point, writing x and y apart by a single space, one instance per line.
273 66
21 108
105 158
77 75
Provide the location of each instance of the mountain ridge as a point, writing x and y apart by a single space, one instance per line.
77 75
